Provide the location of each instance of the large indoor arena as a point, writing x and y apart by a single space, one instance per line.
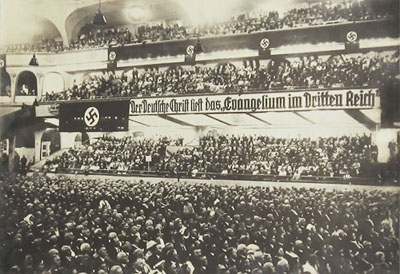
199 137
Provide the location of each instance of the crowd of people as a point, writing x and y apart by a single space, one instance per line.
315 14
305 72
344 157
335 156
25 90
111 153
46 45
20 165
62 225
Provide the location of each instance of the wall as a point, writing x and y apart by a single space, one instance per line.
67 139
313 132
189 134
382 138
38 141
28 152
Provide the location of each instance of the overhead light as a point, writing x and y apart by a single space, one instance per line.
99 18
34 61
137 13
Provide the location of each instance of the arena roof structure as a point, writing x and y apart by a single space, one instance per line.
64 18
335 118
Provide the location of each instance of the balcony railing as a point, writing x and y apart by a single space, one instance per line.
219 176
258 90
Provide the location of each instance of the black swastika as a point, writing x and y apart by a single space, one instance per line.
91 116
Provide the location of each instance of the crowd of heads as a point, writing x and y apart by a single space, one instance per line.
360 70
331 157
342 157
315 14
25 90
20 164
62 225
46 45
111 153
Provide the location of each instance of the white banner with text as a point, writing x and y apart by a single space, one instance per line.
258 102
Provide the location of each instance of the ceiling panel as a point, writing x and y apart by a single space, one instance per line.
151 120
330 117
282 118
197 120
373 114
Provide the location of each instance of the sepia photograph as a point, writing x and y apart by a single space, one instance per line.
199 137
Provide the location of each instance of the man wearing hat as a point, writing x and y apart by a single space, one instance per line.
114 246
116 269
123 261
85 258
101 259
153 254
67 259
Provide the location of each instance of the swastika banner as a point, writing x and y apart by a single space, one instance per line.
94 116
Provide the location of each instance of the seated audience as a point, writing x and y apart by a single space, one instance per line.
63 225
340 157
110 153
319 13
343 157
363 70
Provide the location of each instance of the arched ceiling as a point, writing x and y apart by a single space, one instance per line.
69 16
121 13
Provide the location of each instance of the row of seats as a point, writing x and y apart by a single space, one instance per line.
343 157
359 70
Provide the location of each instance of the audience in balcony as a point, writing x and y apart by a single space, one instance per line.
65 225
340 157
315 14
25 90
306 72
46 45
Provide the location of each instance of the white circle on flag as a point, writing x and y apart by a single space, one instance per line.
352 36
190 50
112 56
264 43
91 117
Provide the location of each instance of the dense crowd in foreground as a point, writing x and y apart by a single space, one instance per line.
62 225
344 156
316 14
307 72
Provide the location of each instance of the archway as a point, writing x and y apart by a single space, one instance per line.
5 83
53 82
50 143
26 139
26 84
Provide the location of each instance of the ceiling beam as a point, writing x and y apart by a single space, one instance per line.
174 120
217 119
143 124
259 119
357 115
304 118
